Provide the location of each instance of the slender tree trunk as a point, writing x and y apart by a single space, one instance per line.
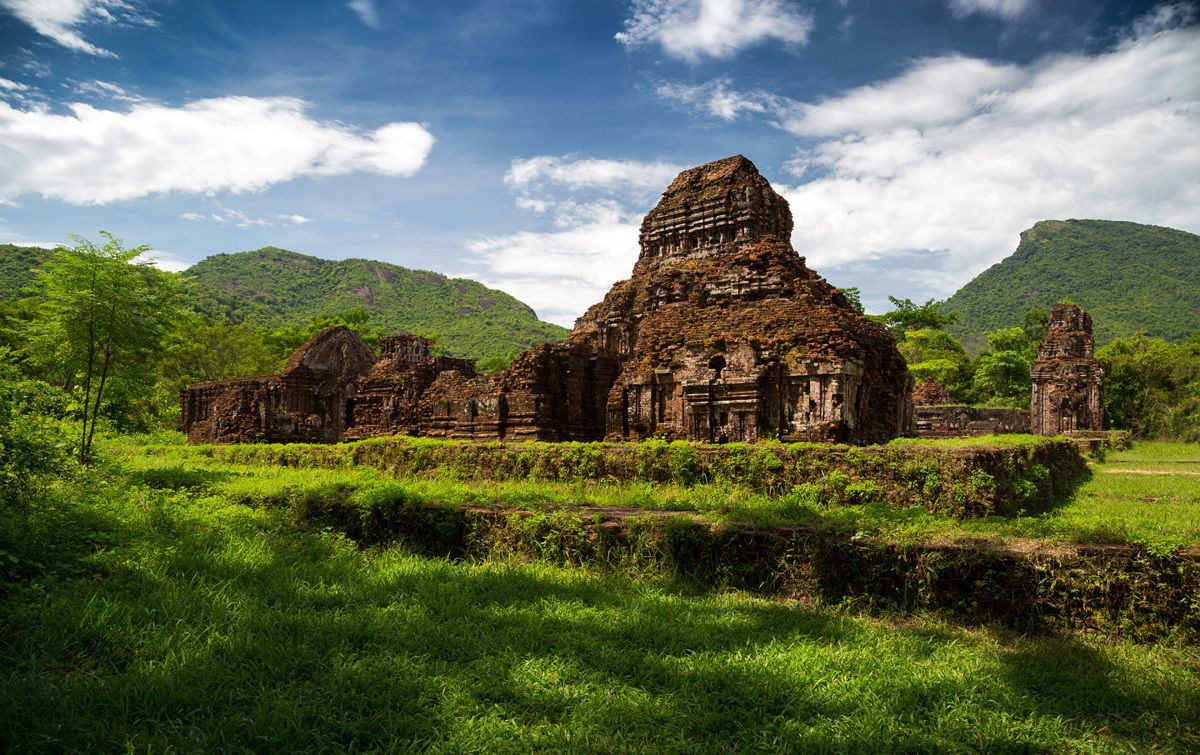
96 406
87 395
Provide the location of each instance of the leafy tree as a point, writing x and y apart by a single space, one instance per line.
934 353
33 443
1152 387
101 314
1001 374
854 296
910 316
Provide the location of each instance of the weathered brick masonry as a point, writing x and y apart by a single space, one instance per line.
721 334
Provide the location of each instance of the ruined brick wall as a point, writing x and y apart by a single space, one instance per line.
953 421
306 402
930 392
725 334
554 392
1068 382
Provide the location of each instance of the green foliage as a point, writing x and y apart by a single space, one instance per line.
17 264
854 297
932 352
101 316
146 619
908 315
276 289
1132 278
1152 387
1002 378
34 441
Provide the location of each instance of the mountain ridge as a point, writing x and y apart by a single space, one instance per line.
1131 277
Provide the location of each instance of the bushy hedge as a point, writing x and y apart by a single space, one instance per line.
979 478
35 444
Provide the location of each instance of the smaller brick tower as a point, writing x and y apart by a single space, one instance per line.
1068 382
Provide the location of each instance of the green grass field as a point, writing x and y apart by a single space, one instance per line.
1119 504
157 620
172 604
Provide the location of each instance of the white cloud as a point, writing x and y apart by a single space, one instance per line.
950 160
172 263
243 221
60 19
594 241
560 273
106 90
12 86
234 144
695 29
1002 8
587 173
366 11
1106 136
933 91
716 98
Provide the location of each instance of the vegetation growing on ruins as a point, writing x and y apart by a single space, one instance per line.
1132 278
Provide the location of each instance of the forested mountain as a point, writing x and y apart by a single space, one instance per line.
271 287
1130 277
16 267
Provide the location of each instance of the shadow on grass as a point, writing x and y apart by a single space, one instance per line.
241 634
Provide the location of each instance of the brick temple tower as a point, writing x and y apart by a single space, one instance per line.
1068 382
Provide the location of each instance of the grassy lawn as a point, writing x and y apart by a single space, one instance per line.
138 618
1160 510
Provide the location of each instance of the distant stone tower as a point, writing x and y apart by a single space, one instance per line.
1068 382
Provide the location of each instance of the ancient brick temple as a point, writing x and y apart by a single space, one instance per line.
724 334
1068 382
308 401
721 334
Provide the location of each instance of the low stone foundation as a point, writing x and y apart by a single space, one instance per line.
1118 590
973 481
958 421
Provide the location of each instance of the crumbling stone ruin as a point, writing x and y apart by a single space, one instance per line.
930 392
307 402
721 334
958 420
724 334
1068 382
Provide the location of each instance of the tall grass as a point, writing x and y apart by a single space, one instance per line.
157 619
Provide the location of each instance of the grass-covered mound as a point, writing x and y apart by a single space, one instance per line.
137 618
1105 561
1007 475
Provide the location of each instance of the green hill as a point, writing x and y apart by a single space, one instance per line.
16 267
1130 277
273 287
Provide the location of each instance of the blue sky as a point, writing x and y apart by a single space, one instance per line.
519 142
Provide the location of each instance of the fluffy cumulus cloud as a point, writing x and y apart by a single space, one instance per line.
60 20
226 144
1002 8
595 207
695 29
938 169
